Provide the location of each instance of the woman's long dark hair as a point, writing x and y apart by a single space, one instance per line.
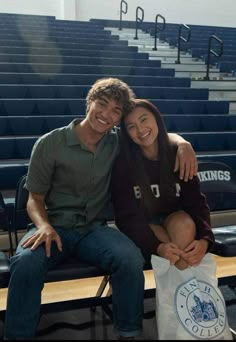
135 158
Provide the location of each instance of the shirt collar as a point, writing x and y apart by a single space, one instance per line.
72 138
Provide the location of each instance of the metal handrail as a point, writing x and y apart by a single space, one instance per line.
123 2
181 38
210 51
162 28
140 20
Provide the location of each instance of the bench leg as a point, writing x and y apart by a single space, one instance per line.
101 289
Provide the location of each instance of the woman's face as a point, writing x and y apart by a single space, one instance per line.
142 127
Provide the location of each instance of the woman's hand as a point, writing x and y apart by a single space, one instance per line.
169 251
194 252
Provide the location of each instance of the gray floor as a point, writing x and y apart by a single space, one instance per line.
97 325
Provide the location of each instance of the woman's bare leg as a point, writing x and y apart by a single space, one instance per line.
181 230
160 232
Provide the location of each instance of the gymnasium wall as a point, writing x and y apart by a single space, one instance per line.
203 12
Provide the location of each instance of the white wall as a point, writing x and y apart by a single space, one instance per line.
39 7
69 10
61 9
102 9
202 12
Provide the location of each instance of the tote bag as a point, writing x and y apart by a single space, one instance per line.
189 303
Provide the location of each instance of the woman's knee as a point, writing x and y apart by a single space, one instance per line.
181 227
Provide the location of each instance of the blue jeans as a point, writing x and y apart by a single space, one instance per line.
97 244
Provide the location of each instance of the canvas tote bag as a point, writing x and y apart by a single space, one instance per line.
189 303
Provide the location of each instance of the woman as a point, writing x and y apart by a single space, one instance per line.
162 214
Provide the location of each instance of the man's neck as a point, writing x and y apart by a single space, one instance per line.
87 135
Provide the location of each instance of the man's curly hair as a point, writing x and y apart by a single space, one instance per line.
111 88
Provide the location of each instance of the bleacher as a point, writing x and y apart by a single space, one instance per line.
48 65
199 119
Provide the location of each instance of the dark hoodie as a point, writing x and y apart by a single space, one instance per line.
132 219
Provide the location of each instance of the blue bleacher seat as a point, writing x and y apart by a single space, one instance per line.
16 92
182 123
23 146
16 147
192 106
29 107
227 66
10 172
218 183
85 69
67 44
40 124
51 122
7 148
4 129
62 79
212 141
79 91
93 60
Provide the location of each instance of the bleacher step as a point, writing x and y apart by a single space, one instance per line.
193 67
213 85
228 95
232 108
185 59
168 55
197 75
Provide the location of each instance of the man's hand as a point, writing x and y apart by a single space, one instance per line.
186 161
47 235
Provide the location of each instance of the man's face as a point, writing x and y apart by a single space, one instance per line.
104 113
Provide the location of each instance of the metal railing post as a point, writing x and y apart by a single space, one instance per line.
138 20
181 38
123 2
210 51
159 29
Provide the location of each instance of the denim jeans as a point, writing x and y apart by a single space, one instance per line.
97 244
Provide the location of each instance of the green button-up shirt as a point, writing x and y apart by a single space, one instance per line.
74 180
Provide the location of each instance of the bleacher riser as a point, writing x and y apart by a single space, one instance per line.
46 73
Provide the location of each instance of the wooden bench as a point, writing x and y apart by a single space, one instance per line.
78 289
96 291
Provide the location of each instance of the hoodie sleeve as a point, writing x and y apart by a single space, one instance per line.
195 204
128 216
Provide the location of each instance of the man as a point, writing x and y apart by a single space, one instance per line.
68 182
